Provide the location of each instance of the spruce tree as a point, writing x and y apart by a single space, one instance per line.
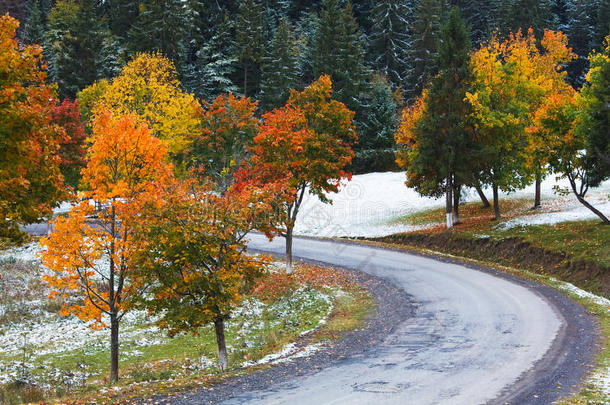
35 25
422 53
249 31
376 147
525 14
389 39
480 15
162 25
444 140
280 71
339 52
121 16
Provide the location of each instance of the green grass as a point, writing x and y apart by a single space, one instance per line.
174 364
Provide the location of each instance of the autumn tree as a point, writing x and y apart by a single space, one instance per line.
72 144
30 177
89 252
192 253
148 88
542 67
578 127
310 141
228 128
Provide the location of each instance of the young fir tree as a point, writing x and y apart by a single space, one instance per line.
249 32
422 52
162 25
443 138
389 39
280 71
376 146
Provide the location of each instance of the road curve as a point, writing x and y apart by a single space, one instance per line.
476 337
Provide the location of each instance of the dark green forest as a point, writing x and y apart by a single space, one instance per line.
379 54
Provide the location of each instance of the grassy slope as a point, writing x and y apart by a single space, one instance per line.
291 305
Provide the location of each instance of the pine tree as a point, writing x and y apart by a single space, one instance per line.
422 53
376 147
580 33
249 31
280 71
560 15
210 73
480 15
162 25
389 39
306 32
602 25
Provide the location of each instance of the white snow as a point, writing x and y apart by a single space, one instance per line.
370 203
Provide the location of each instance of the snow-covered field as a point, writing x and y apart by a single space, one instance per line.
370 204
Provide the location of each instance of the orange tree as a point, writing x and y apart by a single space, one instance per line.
228 127
308 141
89 251
30 178
192 253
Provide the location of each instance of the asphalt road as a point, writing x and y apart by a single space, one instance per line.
477 337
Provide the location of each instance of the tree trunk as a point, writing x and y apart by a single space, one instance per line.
496 203
449 203
223 360
537 186
456 204
288 236
597 212
114 348
482 196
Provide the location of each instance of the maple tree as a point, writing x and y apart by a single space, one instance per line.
192 252
31 182
228 126
308 141
89 252
148 88
72 145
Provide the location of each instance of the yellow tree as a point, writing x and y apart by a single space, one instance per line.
148 88
89 251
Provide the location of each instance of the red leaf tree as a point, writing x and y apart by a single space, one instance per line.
308 142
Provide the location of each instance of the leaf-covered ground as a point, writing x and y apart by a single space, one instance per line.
44 355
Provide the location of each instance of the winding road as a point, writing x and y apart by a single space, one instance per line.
477 337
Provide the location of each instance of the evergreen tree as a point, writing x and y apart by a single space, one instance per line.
339 52
560 15
306 32
280 71
389 39
210 73
422 52
78 46
525 14
443 138
602 25
35 25
580 33
162 25
480 15
376 147
121 15
249 32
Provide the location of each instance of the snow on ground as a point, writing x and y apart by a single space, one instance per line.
370 204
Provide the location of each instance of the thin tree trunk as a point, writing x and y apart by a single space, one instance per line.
223 360
456 204
496 202
584 202
449 203
114 348
537 186
289 268
482 196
